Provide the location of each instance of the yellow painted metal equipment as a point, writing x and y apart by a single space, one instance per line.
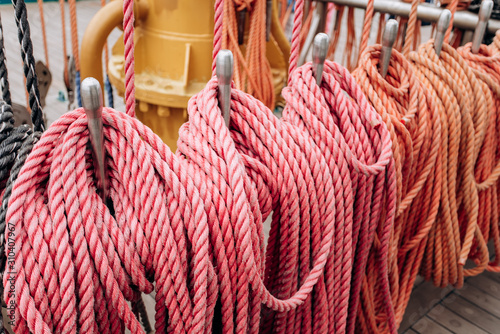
173 57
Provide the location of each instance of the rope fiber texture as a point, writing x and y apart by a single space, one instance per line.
486 65
351 123
4 78
252 71
462 101
17 142
191 222
409 110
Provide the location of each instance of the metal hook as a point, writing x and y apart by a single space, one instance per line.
442 26
388 39
482 22
320 49
314 28
92 104
224 71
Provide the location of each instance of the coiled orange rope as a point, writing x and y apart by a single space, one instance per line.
351 53
496 42
463 109
408 109
486 65
336 32
252 71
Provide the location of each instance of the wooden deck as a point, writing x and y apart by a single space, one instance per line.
473 309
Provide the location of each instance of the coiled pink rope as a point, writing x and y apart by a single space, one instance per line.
190 222
332 118
189 225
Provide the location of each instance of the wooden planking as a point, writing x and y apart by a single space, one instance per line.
493 276
480 298
491 287
472 313
423 298
428 326
410 331
453 322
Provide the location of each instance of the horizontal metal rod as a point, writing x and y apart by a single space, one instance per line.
426 12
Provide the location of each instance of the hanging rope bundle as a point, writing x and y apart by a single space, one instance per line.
496 42
462 106
486 66
252 71
4 77
74 45
332 119
199 234
408 110
191 222
16 142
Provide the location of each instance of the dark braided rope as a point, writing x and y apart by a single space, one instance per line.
29 64
6 120
27 145
4 80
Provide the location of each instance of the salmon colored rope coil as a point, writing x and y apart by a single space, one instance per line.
409 111
252 71
486 65
496 42
463 109
191 222
373 220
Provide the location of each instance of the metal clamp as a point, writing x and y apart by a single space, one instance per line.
388 39
320 49
482 23
442 26
224 71
92 104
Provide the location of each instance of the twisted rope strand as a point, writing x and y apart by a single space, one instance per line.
4 78
24 37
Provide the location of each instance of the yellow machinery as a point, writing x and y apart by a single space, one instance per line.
173 57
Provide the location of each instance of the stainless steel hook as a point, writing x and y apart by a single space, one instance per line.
442 26
320 49
482 22
388 39
224 70
92 104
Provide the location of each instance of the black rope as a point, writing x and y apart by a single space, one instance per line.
4 80
30 139
16 143
29 64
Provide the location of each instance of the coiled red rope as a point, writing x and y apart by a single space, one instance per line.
192 222
351 123
486 65
189 225
409 111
